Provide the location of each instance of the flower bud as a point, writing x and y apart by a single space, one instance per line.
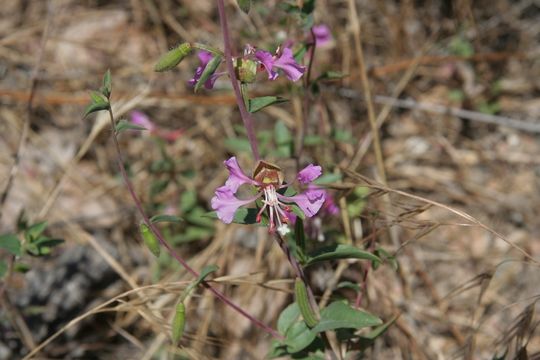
246 70
172 58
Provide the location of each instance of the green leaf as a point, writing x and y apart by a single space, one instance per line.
340 251
165 218
208 71
92 108
98 98
260 103
123 125
172 58
340 315
299 337
107 84
34 232
288 317
179 322
244 5
379 330
150 239
158 186
11 243
207 270
3 268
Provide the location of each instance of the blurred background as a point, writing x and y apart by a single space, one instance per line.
455 89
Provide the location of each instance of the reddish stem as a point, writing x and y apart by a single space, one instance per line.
247 119
168 247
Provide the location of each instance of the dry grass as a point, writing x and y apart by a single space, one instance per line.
459 206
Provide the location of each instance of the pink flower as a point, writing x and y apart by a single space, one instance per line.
285 62
268 180
204 58
323 35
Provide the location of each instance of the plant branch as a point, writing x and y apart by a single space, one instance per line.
247 119
167 246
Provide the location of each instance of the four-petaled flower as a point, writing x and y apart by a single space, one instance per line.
268 180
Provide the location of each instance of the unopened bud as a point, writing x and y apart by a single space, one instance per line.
246 70
172 58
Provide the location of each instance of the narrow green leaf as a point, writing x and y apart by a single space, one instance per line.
172 58
341 251
208 71
339 315
165 218
107 84
92 108
207 270
244 5
301 296
11 243
179 322
379 330
97 98
348 284
123 125
260 103
35 231
150 239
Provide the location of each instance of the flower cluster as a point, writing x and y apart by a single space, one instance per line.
268 180
281 60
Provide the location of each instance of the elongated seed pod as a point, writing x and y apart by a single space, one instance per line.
172 58
302 300
150 239
179 322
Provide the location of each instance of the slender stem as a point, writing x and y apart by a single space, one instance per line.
301 134
297 269
167 246
247 119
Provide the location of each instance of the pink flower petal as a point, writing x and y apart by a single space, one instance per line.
267 60
309 201
141 119
226 204
237 176
309 173
288 64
